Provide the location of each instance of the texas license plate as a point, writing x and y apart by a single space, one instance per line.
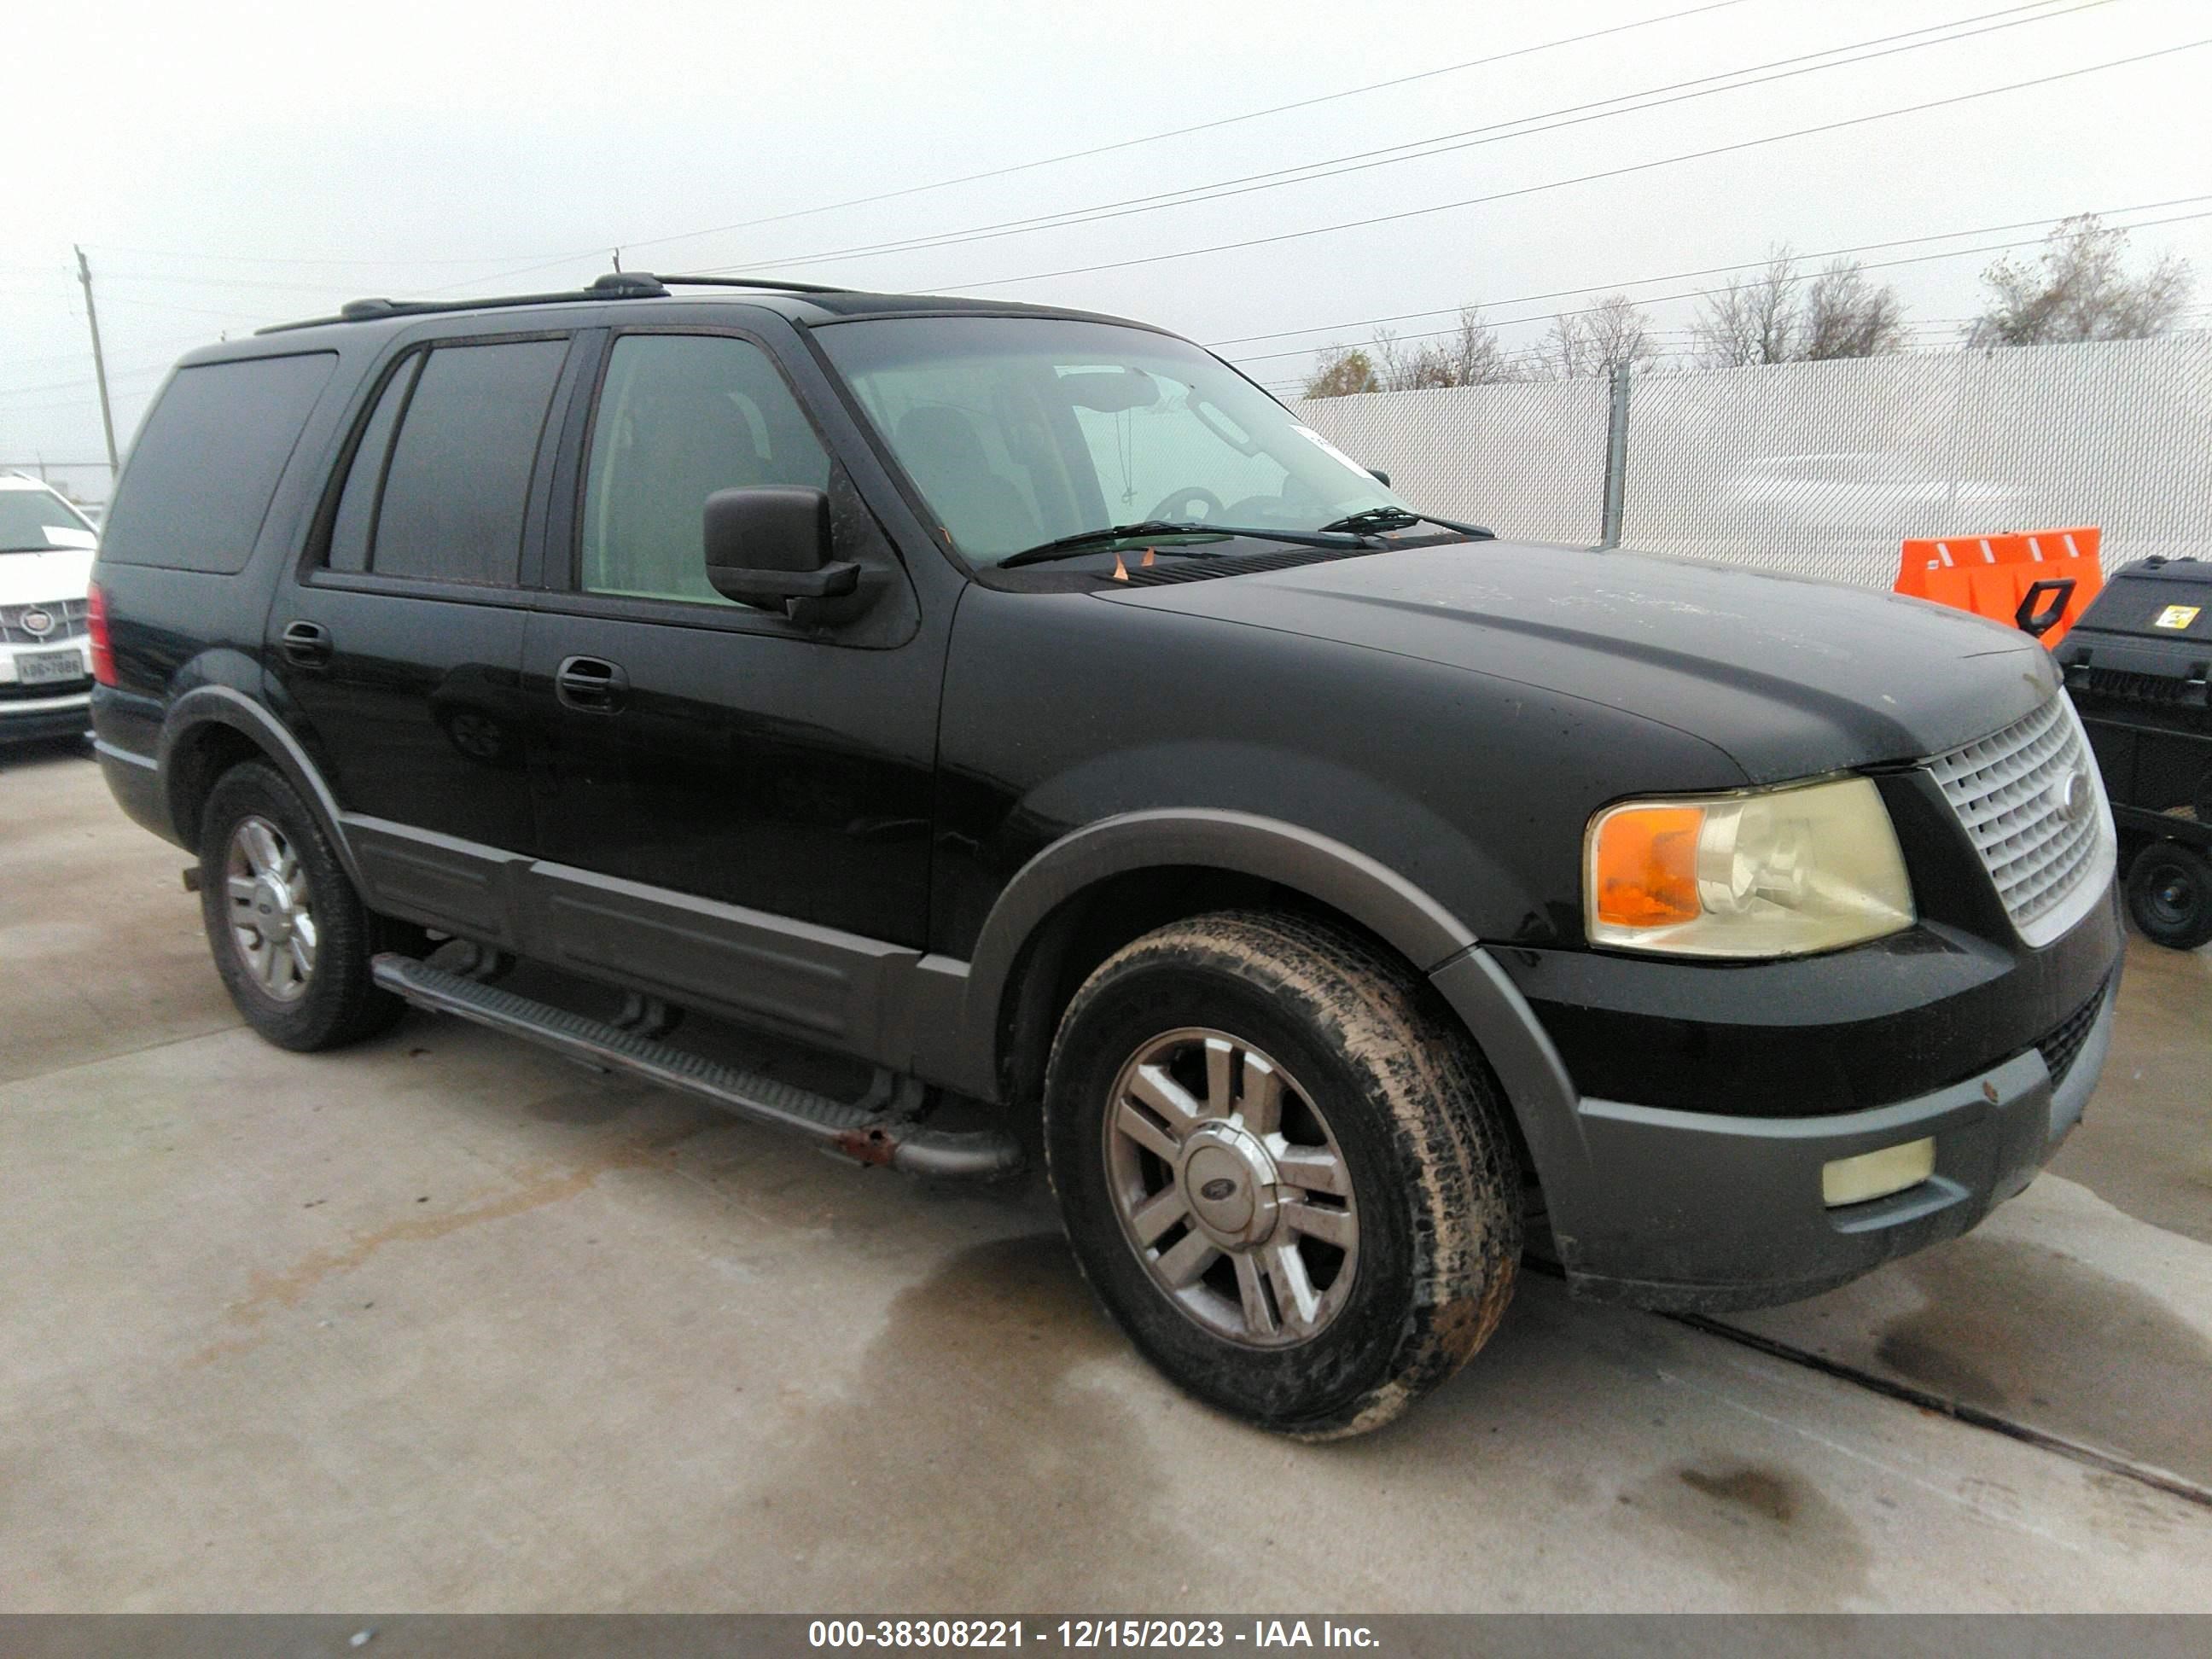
47 667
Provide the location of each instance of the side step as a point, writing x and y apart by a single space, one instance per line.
859 1129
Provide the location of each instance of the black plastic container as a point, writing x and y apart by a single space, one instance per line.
2137 665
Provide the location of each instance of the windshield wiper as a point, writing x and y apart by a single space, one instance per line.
1085 540
1404 518
1062 547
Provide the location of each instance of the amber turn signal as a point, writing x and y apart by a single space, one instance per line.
1645 863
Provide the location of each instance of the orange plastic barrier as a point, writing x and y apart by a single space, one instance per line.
2015 577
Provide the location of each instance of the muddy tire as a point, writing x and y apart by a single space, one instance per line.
1283 1168
290 936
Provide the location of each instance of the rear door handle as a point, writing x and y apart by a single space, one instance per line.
590 684
307 643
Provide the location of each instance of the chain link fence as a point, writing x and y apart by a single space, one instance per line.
1820 468
1527 460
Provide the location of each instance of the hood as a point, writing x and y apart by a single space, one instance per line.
1791 677
63 573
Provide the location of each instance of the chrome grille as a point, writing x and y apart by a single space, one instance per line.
68 618
2005 790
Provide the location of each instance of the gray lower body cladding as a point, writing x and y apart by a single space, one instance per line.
1709 1210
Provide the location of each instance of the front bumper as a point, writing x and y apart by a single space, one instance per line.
1706 1193
1695 1211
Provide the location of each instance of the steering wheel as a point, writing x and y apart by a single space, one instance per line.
1185 498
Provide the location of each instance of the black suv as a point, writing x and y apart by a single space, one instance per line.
1022 702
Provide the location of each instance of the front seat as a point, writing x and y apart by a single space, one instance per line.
686 442
984 512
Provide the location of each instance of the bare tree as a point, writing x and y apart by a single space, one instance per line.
1470 355
1342 370
1598 340
1844 315
1782 317
2078 288
1752 322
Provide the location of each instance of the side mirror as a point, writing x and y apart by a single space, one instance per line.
771 545
1379 476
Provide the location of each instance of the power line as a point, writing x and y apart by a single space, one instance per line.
1587 178
942 184
84 381
1442 144
1185 131
78 356
289 259
193 311
166 279
1680 276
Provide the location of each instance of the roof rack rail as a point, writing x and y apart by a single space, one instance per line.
751 281
615 285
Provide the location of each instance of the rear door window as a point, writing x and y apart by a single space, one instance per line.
454 492
357 519
206 463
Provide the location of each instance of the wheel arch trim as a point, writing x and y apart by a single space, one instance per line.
222 705
1240 843
1538 1090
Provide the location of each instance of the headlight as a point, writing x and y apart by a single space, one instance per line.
1778 873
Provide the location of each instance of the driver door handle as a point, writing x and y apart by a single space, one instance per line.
591 685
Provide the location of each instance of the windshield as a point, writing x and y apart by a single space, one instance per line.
1021 430
33 520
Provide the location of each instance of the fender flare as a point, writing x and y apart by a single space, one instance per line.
1538 1090
222 705
1370 893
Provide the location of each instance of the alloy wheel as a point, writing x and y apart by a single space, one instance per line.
1232 1188
272 920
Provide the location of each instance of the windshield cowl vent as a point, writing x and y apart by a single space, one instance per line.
1243 564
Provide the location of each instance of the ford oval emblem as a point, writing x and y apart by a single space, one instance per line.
1217 1189
2072 796
38 623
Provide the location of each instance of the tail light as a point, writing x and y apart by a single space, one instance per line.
95 625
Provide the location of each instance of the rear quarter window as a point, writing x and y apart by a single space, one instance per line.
206 463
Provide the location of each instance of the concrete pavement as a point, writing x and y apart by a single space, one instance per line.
442 1323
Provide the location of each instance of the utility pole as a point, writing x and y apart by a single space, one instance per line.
99 362
617 259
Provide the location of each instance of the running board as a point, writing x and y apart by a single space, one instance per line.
858 1129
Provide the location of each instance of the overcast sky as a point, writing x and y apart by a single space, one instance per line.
227 164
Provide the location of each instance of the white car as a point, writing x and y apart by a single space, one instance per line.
1869 492
46 653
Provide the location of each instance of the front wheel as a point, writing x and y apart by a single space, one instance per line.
1284 1172
2170 895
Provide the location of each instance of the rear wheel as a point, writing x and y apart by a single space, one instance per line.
290 937
1284 1174
2170 895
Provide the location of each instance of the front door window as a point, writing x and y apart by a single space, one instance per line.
681 416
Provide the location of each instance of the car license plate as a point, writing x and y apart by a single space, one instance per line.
45 667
